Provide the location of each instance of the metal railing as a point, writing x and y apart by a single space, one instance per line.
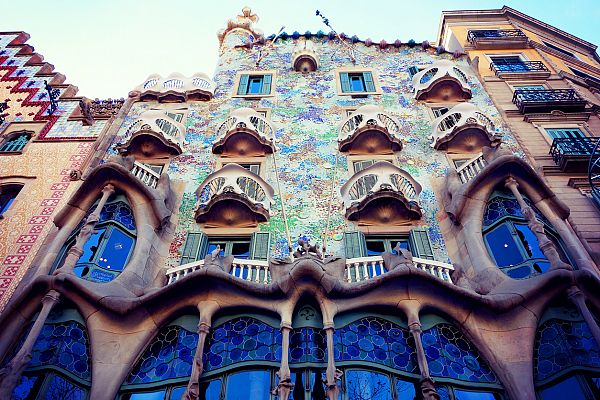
572 147
518 67
493 34
471 168
552 97
365 268
145 174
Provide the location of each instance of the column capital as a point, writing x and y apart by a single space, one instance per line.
415 327
108 190
285 325
328 325
511 182
203 327
51 297
575 293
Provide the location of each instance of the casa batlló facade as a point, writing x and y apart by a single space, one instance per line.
324 218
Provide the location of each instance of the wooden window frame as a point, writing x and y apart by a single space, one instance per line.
236 84
338 81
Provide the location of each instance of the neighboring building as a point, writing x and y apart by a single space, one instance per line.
327 217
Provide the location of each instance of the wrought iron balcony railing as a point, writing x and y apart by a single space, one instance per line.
499 34
500 68
547 100
573 154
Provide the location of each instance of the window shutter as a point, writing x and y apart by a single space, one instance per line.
420 246
243 86
266 89
369 84
412 71
345 82
260 246
355 244
194 248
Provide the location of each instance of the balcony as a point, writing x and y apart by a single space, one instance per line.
234 197
176 88
485 39
249 270
370 130
535 101
463 129
146 175
520 70
573 154
367 268
153 134
471 168
381 194
442 81
244 133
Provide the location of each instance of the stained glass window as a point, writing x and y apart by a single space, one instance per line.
376 340
308 345
564 344
363 385
242 339
451 355
170 355
120 212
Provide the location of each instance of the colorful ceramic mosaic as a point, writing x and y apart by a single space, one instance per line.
451 355
242 339
378 341
564 344
169 355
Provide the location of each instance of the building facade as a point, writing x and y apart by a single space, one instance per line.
325 218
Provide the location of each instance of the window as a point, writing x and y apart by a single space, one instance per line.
511 243
572 140
509 64
15 143
107 251
529 87
177 116
585 76
356 244
254 168
439 111
460 162
255 84
198 245
157 168
562 51
8 194
357 82
565 133
377 245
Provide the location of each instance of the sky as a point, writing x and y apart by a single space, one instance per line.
108 47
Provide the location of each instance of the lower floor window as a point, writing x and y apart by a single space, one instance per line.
576 387
48 386
168 393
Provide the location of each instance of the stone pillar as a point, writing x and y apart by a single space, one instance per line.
537 227
10 374
192 392
427 386
84 234
333 375
285 385
578 298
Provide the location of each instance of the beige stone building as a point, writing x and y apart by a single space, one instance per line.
328 217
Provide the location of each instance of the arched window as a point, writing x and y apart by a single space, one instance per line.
240 359
109 248
163 370
566 357
60 360
15 142
511 243
8 194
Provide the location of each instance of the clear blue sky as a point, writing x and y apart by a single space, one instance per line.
107 47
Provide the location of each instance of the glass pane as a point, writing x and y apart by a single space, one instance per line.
61 389
255 385
213 245
529 241
317 386
208 390
395 242
177 392
241 250
91 246
158 395
356 83
567 389
255 84
503 247
367 385
375 247
115 253
27 388
298 381
468 395
405 390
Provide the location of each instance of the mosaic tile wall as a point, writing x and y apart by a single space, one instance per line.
306 111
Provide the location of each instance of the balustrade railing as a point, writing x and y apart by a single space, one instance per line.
458 116
498 34
524 99
366 268
145 174
173 274
438 71
518 67
572 147
251 270
471 168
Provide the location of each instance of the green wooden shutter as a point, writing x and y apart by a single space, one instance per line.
194 248
419 243
355 244
243 86
266 88
369 84
345 82
260 246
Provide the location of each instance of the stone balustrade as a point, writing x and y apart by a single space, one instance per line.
173 274
145 174
365 268
251 270
471 168
159 124
177 87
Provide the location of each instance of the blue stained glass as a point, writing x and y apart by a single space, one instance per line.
24 388
61 389
505 206
308 345
367 385
450 355
241 339
378 341
170 355
64 345
562 344
118 211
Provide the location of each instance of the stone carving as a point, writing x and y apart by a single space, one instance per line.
333 388
245 20
284 387
428 390
306 249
